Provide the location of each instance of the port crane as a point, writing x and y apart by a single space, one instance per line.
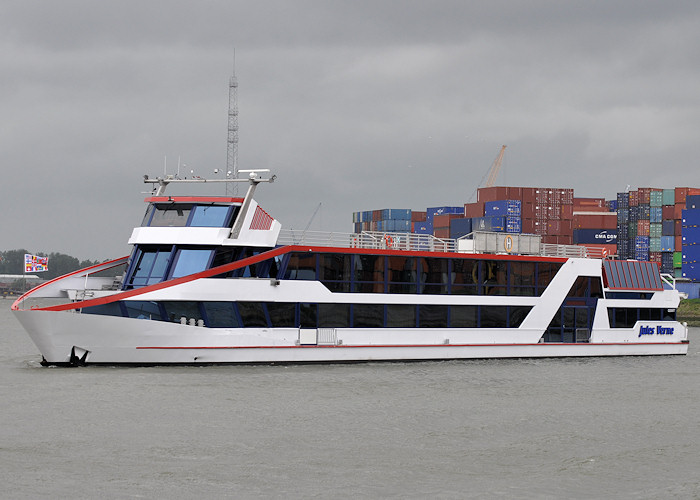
495 168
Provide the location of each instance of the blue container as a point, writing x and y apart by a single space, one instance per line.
367 216
643 212
690 236
690 254
612 205
514 225
623 200
690 218
691 271
432 211
595 236
623 215
495 224
668 228
655 215
396 214
641 247
423 228
395 225
460 227
503 207
692 202
667 244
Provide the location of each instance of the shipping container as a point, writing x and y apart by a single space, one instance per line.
474 209
417 216
634 198
692 202
397 225
594 236
590 220
623 200
678 210
655 257
655 245
632 229
677 259
623 231
656 214
495 224
491 194
441 232
559 227
667 262
460 227
396 214
422 228
589 204
667 212
655 230
558 240
667 243
502 207
440 221
432 211
669 197
668 228
623 215
677 227
656 198
643 228
680 194
690 218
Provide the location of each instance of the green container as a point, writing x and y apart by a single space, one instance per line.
655 231
677 273
669 196
654 244
677 259
632 232
656 198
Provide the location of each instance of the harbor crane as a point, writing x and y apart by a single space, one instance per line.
495 168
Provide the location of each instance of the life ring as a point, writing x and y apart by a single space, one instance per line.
388 240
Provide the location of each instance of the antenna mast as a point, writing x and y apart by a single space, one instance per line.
232 150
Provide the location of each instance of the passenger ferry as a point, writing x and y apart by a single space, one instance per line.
217 280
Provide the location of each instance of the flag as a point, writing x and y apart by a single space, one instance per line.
35 264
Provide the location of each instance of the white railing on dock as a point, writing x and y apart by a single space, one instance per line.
368 239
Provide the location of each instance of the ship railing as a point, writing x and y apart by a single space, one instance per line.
669 280
369 240
575 251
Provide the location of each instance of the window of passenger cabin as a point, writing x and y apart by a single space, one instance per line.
368 315
335 272
495 277
465 277
282 314
142 309
150 267
432 316
210 216
171 215
301 266
463 316
402 274
221 315
369 273
545 273
176 310
333 315
433 275
522 278
400 316
252 314
189 261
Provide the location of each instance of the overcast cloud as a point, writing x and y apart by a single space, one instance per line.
355 105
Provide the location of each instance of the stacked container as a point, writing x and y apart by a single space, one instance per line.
690 237
389 220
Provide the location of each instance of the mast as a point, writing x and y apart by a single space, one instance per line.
232 150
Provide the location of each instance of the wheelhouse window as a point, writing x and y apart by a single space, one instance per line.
151 266
210 216
190 260
170 215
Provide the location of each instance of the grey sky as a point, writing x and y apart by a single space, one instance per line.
356 105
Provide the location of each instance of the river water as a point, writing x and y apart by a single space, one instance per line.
576 428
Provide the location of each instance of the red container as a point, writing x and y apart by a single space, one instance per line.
634 198
474 209
528 226
680 195
527 210
655 257
494 193
441 232
567 212
529 195
443 221
678 210
558 240
514 193
643 228
559 228
377 215
678 228
667 212
602 220
644 196
678 243
693 191
583 204
418 216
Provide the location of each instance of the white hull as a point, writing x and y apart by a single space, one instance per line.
64 337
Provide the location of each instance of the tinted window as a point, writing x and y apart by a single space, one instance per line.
191 261
210 216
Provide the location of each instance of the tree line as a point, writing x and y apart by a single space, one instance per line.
12 262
